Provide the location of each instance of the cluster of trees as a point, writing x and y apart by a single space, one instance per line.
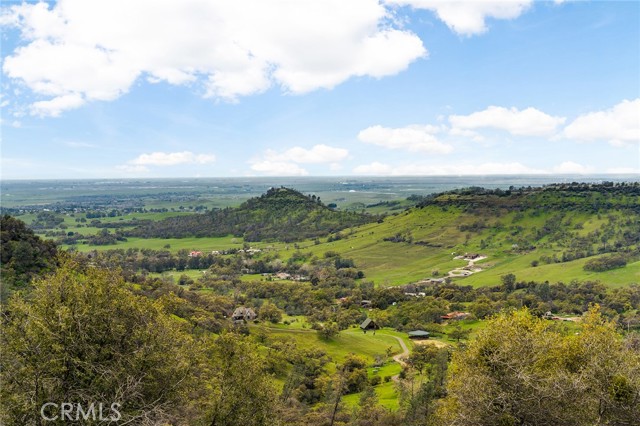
281 214
24 255
605 263
46 220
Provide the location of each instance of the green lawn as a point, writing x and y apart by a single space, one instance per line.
348 341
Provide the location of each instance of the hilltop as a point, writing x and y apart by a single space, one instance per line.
281 214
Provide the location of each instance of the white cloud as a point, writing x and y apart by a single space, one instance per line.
79 51
470 134
569 167
468 17
527 122
317 154
285 163
414 138
619 125
55 106
278 168
172 159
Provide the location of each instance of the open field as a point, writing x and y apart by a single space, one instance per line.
348 341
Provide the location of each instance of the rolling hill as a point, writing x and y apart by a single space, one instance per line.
541 234
281 214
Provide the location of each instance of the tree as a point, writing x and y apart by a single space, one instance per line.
80 336
242 391
421 356
523 370
458 333
369 412
270 312
329 330
508 281
355 373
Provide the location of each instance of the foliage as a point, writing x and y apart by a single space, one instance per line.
605 263
270 312
23 255
458 333
328 330
522 370
243 393
82 337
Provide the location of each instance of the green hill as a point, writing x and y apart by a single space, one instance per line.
541 234
282 214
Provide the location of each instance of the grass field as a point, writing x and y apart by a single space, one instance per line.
348 341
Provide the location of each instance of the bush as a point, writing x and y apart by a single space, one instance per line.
605 263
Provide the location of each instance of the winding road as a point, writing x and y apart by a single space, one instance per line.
405 351
399 358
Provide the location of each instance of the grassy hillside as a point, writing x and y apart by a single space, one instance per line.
544 235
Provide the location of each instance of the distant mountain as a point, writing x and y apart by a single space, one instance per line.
281 214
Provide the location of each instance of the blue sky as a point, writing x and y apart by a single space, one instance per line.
195 88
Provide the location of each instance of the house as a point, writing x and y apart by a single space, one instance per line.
418 334
195 254
243 314
369 324
433 281
456 316
365 303
283 276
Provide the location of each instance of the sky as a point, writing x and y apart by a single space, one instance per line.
213 88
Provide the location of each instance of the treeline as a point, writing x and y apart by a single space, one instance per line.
281 214
584 197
